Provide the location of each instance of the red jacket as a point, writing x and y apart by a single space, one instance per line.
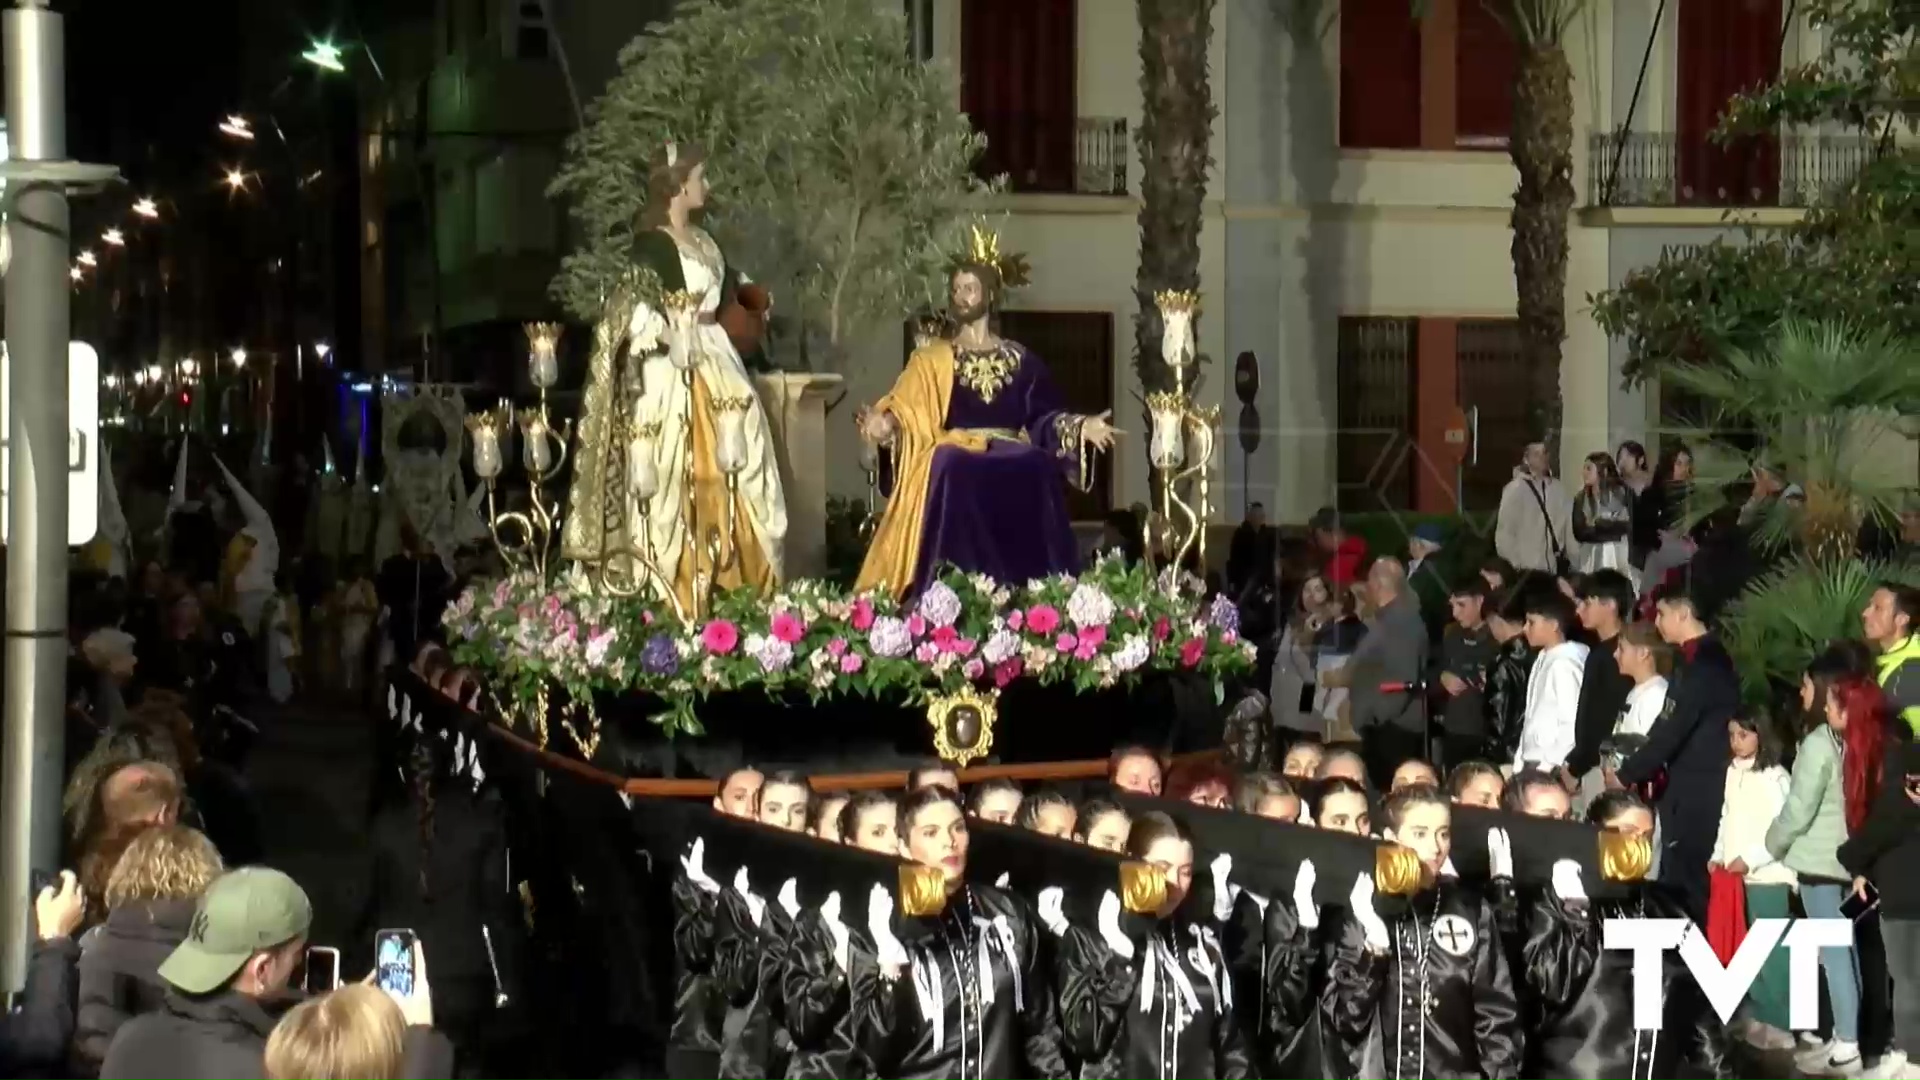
1343 566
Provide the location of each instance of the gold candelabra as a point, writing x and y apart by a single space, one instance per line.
1182 438
525 538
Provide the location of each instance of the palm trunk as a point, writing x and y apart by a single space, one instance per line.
1176 125
1541 144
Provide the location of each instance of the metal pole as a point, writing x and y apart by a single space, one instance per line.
37 292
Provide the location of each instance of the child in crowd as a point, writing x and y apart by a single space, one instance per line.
1756 792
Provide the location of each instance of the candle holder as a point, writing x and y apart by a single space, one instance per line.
632 569
1182 437
525 539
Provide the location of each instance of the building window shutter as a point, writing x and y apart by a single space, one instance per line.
1379 75
1483 73
1017 84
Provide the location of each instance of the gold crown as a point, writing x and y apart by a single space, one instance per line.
983 249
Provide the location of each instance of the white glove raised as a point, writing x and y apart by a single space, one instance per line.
1304 908
1499 853
886 947
789 898
1053 910
1566 882
694 863
837 930
1360 903
1110 932
1223 891
755 906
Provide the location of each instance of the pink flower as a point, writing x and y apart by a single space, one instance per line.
851 663
945 638
973 669
787 627
917 625
837 646
862 612
1066 642
551 605
1093 637
1191 651
720 636
1228 637
1162 629
1088 649
1016 620
965 646
926 652
646 618
1042 619
1006 671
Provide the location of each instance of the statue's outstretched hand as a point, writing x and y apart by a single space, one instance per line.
1099 432
876 426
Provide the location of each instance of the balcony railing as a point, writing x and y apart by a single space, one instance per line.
1665 169
1084 155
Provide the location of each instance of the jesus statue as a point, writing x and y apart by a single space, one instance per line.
980 446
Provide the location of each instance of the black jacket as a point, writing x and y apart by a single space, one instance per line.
222 1035
1467 654
1506 708
1689 740
119 971
1603 693
465 856
1887 848
1169 1011
34 1038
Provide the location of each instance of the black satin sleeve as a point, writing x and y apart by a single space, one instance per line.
1703 1036
1232 1043
873 1010
1562 947
693 926
1242 943
1497 1029
1095 984
813 989
1356 976
736 949
1292 952
1040 1020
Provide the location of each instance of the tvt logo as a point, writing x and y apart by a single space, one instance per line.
1725 986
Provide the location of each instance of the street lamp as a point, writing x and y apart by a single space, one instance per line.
74 273
155 373
189 369
113 237
239 356
321 349
146 208
324 54
237 127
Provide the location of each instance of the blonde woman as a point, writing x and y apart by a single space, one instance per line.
150 898
357 1033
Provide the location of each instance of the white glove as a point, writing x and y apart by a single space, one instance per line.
645 327
1304 908
1566 881
755 906
1222 887
887 948
842 940
1360 903
1053 909
1499 853
789 898
694 863
1110 932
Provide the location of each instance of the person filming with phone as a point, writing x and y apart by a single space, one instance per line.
34 1036
227 983
378 1030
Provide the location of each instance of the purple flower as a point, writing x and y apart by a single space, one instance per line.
659 657
1224 614
940 604
889 637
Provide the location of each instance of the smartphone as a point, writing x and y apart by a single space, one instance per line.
322 971
393 961
41 881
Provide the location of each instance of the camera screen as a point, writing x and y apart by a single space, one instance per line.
394 962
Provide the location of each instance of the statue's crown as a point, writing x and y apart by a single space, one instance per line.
983 249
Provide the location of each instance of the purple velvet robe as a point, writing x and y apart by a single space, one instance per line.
1003 512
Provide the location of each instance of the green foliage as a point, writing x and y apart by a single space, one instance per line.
1822 394
1777 626
1855 256
841 166
1535 23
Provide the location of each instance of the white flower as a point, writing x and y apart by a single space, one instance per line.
1089 606
940 605
1133 652
1001 646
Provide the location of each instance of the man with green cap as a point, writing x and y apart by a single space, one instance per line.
227 983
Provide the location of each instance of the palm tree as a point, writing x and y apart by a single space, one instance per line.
1823 396
1541 145
1176 127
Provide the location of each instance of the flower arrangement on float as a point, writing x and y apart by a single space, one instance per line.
1105 627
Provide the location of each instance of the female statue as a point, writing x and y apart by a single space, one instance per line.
672 254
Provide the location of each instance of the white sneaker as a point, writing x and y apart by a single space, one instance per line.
1891 1066
1843 1059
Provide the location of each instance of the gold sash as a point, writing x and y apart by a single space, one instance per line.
919 407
